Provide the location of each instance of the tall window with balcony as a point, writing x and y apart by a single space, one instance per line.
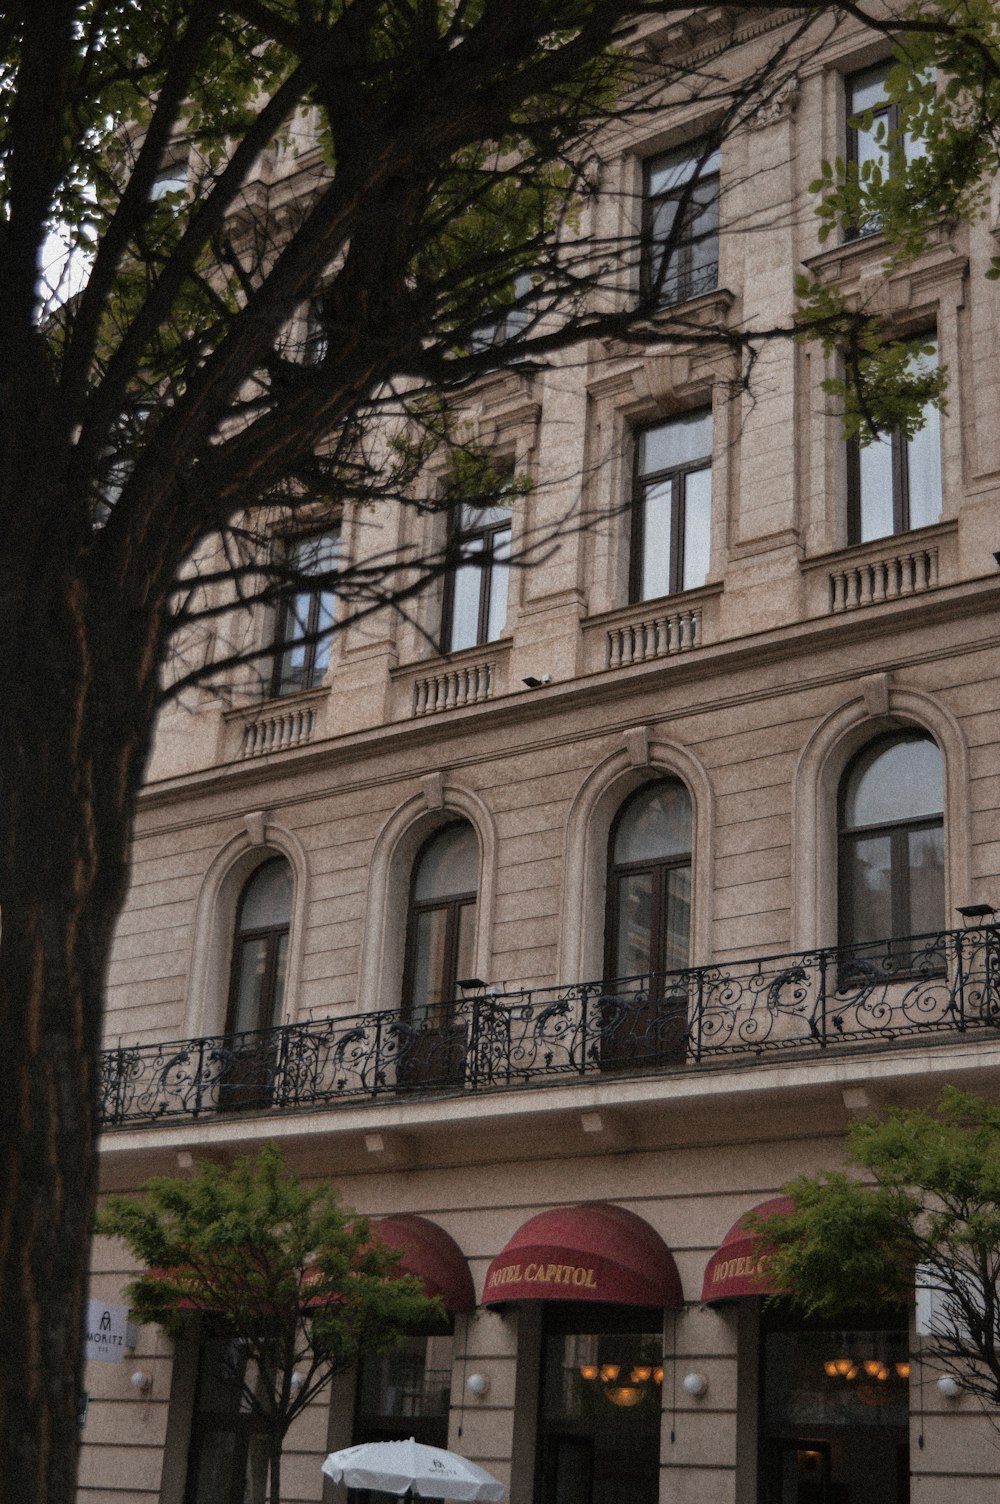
257 986
681 224
891 864
305 613
475 594
647 926
440 953
875 138
671 507
894 483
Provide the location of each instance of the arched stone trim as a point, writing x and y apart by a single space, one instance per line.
384 939
588 829
817 780
215 917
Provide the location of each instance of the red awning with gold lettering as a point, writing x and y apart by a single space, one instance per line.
592 1252
739 1266
432 1255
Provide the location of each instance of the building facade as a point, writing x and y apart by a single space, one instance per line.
580 938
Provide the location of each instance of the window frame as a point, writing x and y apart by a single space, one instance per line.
436 1016
458 539
670 287
896 139
678 475
271 934
308 638
898 832
659 902
901 519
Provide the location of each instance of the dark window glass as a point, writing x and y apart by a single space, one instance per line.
681 224
227 1457
305 615
873 133
671 507
834 1410
442 924
514 319
261 949
440 952
401 1394
894 484
892 841
475 597
649 882
256 988
600 1409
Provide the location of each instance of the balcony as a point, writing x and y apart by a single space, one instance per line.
912 988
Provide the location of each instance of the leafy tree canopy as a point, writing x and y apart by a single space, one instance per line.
926 1211
294 1286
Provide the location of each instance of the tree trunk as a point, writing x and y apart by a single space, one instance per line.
72 747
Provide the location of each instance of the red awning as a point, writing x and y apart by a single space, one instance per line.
433 1256
738 1266
592 1252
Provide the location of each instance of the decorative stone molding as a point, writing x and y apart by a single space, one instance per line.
875 690
254 823
780 105
433 790
636 740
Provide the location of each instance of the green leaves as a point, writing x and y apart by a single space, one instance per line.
252 1244
927 1209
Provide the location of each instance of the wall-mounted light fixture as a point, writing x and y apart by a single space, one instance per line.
478 1384
949 1386
976 913
694 1384
296 1381
141 1382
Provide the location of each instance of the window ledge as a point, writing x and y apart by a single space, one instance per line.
280 723
864 270
449 681
886 569
647 630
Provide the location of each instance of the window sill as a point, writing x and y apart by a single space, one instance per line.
859 268
644 631
886 569
274 725
449 681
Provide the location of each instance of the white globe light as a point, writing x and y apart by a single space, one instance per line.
695 1384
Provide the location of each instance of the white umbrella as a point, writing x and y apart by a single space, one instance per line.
400 1467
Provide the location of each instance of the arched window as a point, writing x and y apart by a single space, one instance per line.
891 824
647 928
649 882
256 988
440 950
260 949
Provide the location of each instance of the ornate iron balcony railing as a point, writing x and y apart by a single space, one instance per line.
896 989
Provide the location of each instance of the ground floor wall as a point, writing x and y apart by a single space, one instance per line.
689 1175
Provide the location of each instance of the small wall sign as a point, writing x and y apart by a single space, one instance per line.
108 1333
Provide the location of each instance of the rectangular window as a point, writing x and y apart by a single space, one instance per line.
894 484
681 224
672 507
305 615
873 134
512 321
475 596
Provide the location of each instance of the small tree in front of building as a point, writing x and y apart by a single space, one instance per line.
295 1286
927 1214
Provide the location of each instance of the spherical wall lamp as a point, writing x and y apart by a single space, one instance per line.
695 1384
478 1384
141 1382
949 1386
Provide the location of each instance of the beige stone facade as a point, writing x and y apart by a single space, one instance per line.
755 690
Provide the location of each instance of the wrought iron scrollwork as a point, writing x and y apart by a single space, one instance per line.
895 989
